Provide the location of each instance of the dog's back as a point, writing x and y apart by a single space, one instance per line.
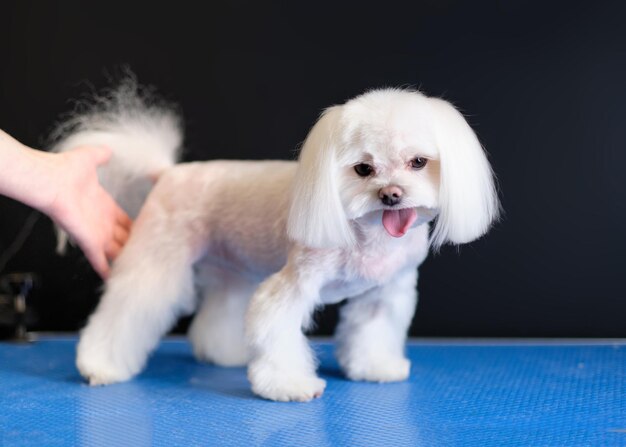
236 211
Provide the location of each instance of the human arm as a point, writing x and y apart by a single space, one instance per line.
65 187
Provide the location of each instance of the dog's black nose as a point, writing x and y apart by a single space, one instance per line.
390 195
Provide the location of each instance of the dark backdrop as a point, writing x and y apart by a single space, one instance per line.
542 83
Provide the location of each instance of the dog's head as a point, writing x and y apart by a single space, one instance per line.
397 158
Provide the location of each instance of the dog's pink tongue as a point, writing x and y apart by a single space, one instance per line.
397 222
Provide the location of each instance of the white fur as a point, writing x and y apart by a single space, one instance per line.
316 216
281 238
467 195
144 134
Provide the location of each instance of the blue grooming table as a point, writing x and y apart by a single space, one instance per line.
460 393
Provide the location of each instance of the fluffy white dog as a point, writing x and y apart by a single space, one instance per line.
256 246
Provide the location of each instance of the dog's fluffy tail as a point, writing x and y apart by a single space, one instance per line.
144 133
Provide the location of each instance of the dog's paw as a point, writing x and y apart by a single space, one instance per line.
101 372
98 368
285 387
296 389
378 369
102 377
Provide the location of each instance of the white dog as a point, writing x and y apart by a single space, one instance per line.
263 243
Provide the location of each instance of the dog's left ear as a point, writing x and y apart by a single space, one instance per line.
468 198
316 215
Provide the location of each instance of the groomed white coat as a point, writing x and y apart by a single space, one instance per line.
255 246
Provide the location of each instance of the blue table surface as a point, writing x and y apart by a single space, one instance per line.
461 393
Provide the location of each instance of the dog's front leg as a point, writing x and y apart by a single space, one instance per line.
282 365
372 330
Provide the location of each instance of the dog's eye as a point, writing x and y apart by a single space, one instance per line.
418 162
363 169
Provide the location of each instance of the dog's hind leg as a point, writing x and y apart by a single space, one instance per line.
151 285
217 331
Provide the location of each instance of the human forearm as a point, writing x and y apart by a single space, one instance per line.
65 186
25 173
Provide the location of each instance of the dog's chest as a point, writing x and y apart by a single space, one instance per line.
376 267
361 274
379 262
369 267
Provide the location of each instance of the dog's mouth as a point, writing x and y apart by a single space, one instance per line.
398 222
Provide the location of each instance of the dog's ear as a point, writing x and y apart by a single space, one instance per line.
316 215
468 198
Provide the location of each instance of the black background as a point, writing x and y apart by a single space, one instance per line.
542 83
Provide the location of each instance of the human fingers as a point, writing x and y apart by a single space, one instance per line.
120 234
113 250
122 218
98 260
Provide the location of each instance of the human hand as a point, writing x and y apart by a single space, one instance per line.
82 207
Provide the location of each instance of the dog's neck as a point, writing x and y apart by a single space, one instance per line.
370 231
